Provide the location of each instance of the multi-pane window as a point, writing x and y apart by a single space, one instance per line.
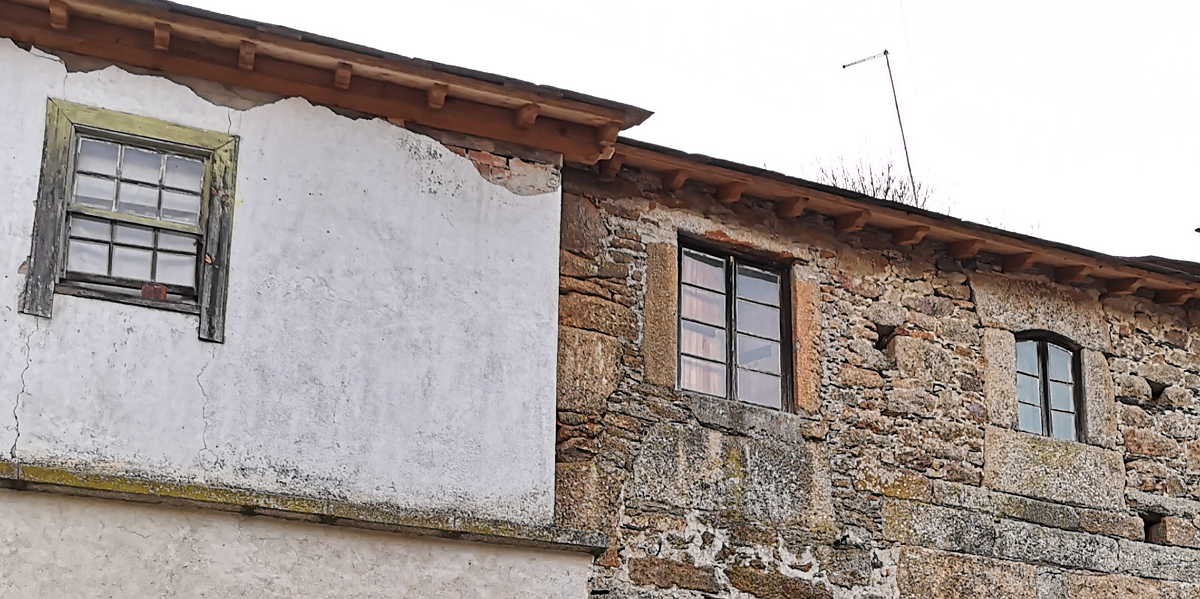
134 217
134 210
731 329
1047 388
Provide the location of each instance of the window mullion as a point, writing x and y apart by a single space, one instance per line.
731 327
1044 381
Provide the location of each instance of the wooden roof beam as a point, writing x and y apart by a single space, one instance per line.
674 180
1174 297
611 167
852 222
60 15
162 36
730 193
965 249
910 235
1073 273
1124 286
342 75
1020 262
435 97
527 115
791 207
246 54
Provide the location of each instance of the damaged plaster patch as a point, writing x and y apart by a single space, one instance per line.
22 390
207 458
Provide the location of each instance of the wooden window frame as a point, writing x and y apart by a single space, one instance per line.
1043 339
65 122
732 260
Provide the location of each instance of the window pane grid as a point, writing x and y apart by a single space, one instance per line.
749 327
140 258
1047 390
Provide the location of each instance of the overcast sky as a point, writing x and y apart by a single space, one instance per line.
1074 121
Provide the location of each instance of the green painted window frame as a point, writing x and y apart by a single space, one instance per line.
65 121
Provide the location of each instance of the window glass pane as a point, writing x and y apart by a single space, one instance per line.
94 191
138 199
141 165
1058 361
1029 389
176 269
757 320
1061 397
1062 424
87 256
757 285
134 235
702 305
758 354
184 173
1029 418
89 228
97 157
702 270
176 242
758 388
1027 358
705 377
131 263
180 207
702 340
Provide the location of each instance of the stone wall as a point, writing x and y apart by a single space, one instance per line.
898 472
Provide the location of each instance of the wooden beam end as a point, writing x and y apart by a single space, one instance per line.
435 96
852 222
606 134
1174 297
965 249
342 75
246 55
1125 286
910 235
60 15
731 193
791 207
162 36
611 167
674 180
1072 274
527 115
1019 262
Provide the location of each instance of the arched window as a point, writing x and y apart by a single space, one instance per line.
1048 387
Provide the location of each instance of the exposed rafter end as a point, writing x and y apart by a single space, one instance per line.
1174 297
852 222
60 15
609 168
791 207
910 235
1072 274
606 134
162 36
435 96
342 75
246 54
1019 262
674 180
965 249
731 193
395 121
527 115
1126 286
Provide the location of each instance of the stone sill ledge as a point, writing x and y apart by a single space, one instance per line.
72 481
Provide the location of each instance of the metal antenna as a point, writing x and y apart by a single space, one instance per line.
904 140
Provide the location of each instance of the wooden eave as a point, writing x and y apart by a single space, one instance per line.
158 36
851 212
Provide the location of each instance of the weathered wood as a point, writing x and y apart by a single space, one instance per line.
606 134
60 15
1174 297
162 36
674 180
342 75
246 54
124 298
1019 262
1072 274
526 116
731 193
852 222
910 235
214 262
1124 286
791 207
49 218
967 248
611 167
435 96
133 219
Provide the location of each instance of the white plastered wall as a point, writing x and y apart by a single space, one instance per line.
391 327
